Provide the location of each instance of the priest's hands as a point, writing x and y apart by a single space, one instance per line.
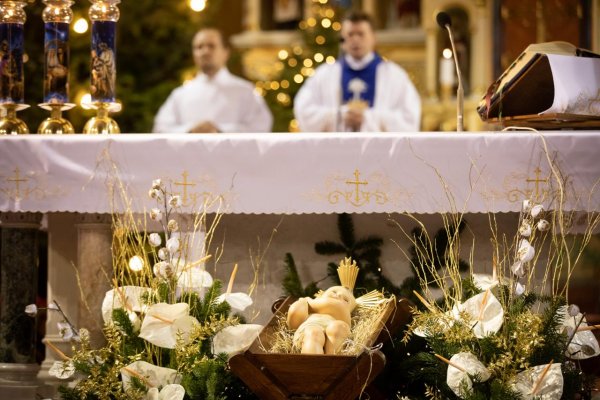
353 119
205 127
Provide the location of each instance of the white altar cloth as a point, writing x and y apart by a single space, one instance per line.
301 173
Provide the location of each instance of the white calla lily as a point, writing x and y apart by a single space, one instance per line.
162 326
194 279
62 369
461 370
235 339
486 281
238 301
584 343
149 374
128 298
168 392
543 382
485 312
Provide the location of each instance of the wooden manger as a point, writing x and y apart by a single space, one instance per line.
278 376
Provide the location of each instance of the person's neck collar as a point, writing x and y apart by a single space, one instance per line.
358 64
221 72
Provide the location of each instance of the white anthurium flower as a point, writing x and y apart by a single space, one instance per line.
584 343
486 313
545 380
163 254
194 279
526 251
154 239
31 310
65 330
486 281
183 327
175 201
526 205
149 374
543 225
156 184
238 301
536 210
525 229
173 245
235 339
161 326
168 392
155 214
128 298
62 369
518 269
460 379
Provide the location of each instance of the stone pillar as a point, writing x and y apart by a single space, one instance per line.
431 62
18 288
94 263
481 50
252 15
79 271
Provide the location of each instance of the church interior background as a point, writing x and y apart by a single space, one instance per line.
277 55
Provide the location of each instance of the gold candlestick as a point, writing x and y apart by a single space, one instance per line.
104 15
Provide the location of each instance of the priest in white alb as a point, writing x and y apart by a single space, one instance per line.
361 92
215 100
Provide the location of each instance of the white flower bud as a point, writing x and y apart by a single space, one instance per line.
156 184
163 254
155 214
65 330
31 310
525 230
53 306
155 194
519 289
517 269
573 310
526 252
155 239
537 210
163 270
173 245
173 226
526 205
543 225
175 201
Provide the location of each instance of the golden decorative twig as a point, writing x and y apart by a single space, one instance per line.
232 278
57 351
538 384
444 359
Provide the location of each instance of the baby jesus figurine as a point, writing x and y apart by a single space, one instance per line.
323 324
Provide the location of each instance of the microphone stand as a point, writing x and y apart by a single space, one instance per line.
460 93
443 19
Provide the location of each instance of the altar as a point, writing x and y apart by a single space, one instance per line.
274 198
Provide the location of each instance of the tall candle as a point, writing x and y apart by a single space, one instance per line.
447 72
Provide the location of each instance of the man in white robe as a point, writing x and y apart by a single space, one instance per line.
215 100
361 92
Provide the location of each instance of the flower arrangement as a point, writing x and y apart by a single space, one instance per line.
511 334
168 327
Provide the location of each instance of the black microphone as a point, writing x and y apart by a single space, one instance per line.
445 22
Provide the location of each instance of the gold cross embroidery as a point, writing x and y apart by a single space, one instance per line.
17 180
357 182
537 181
185 185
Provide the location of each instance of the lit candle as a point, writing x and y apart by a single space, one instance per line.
447 69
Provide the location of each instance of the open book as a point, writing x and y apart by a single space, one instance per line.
536 83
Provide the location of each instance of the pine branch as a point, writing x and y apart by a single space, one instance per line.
346 228
327 248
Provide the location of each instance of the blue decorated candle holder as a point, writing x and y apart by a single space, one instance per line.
104 15
57 18
12 86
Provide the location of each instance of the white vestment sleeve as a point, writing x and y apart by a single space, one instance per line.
397 103
255 116
167 119
316 106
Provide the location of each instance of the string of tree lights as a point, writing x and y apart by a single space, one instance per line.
320 33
